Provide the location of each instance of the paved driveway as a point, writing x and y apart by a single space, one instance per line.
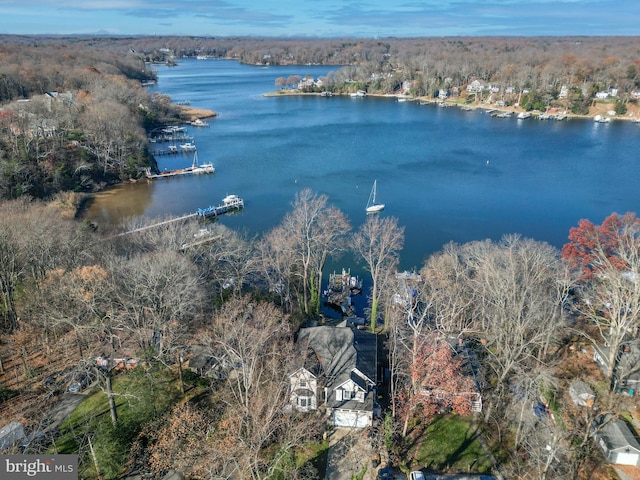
349 453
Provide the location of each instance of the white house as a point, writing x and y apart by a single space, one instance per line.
602 95
304 388
564 92
346 366
475 87
616 441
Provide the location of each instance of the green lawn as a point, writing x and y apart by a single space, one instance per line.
449 444
140 397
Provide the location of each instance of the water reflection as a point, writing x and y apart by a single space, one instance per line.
121 203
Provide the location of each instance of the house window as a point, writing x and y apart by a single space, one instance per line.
303 383
350 394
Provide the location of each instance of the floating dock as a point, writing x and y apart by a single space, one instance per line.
229 204
194 169
342 286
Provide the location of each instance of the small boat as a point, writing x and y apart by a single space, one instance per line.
229 204
372 206
172 129
188 147
523 115
359 93
203 168
231 200
199 123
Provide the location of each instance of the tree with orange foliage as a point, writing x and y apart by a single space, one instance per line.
608 257
594 248
438 382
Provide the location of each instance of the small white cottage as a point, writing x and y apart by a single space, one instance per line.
618 443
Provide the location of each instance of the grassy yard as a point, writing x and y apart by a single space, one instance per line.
140 397
450 444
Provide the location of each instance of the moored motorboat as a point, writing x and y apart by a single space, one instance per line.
199 123
188 147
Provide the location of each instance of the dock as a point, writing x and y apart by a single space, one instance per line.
207 168
169 151
342 287
229 203
189 216
194 169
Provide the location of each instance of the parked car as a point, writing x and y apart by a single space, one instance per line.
79 383
416 475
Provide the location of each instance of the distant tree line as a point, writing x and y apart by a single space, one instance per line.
97 134
73 118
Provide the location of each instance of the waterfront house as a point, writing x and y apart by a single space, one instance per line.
304 389
339 374
475 86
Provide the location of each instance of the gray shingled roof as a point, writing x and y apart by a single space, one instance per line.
616 434
341 350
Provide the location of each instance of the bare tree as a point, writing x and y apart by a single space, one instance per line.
317 232
155 297
253 346
378 242
446 283
519 296
276 258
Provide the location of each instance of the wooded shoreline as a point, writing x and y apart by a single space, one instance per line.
633 111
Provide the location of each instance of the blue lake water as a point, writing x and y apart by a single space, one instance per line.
446 174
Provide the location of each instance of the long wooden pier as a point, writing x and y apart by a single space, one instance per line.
160 224
229 203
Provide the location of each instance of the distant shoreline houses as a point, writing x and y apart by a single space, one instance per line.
485 95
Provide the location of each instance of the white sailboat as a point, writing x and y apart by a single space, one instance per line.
372 206
203 168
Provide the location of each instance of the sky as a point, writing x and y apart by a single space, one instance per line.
322 18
